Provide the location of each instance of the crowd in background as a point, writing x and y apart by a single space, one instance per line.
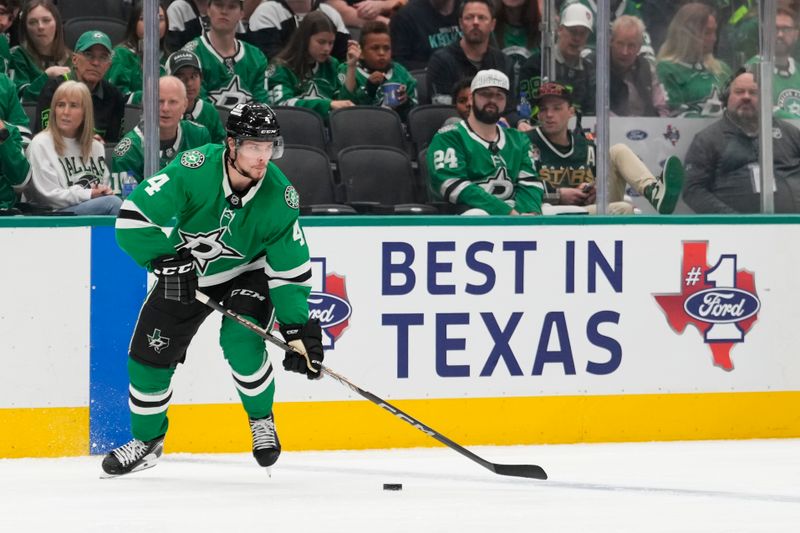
669 58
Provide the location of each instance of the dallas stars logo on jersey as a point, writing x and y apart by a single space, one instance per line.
156 341
207 247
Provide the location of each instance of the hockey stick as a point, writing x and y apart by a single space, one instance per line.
529 471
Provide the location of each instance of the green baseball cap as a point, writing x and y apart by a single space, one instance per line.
91 38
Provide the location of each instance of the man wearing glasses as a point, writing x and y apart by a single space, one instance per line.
786 77
90 62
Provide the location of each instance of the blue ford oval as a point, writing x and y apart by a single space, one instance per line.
329 309
722 306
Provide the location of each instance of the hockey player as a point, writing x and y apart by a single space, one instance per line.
566 163
237 234
234 72
175 135
481 167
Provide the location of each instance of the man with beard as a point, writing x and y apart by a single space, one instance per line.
786 77
480 167
722 172
471 53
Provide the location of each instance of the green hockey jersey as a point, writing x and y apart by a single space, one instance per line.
692 90
11 110
785 89
498 177
191 196
128 158
568 166
368 94
228 81
315 92
29 78
125 72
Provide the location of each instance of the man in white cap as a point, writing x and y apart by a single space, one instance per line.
480 167
573 68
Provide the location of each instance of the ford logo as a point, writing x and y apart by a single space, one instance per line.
636 135
330 310
721 306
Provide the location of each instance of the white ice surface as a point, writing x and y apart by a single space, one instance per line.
679 487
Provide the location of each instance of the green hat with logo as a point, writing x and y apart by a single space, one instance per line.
91 38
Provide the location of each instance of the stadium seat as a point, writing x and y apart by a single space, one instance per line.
365 126
30 110
301 126
131 118
73 28
380 180
70 9
309 170
422 86
425 120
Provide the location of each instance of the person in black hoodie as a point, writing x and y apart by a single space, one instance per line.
420 28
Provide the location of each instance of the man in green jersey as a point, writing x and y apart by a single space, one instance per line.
480 167
236 235
566 163
175 136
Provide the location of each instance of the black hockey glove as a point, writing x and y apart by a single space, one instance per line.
177 277
306 339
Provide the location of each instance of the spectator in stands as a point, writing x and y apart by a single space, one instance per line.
465 57
304 74
356 13
462 97
41 53
175 136
378 80
786 76
566 163
692 76
420 28
480 167
9 9
14 167
517 32
619 8
188 19
234 72
722 162
634 87
573 67
274 21
11 110
90 62
126 63
185 66
69 172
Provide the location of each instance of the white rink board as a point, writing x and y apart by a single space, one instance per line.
44 317
655 359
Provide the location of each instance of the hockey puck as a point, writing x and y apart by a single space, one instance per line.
392 486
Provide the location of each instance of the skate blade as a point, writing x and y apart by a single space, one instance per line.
144 466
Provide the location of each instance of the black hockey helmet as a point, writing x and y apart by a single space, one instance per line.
254 121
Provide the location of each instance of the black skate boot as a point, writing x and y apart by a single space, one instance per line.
133 457
266 446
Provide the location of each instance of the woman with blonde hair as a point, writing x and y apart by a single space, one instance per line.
41 53
69 172
692 77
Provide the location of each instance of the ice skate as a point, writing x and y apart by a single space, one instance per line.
134 456
266 446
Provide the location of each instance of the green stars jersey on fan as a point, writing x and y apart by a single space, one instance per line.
315 92
567 166
128 160
367 94
464 169
785 89
192 196
228 81
693 90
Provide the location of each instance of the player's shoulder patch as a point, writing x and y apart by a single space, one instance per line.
292 197
271 69
193 159
122 147
191 45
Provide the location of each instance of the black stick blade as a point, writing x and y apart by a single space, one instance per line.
529 471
